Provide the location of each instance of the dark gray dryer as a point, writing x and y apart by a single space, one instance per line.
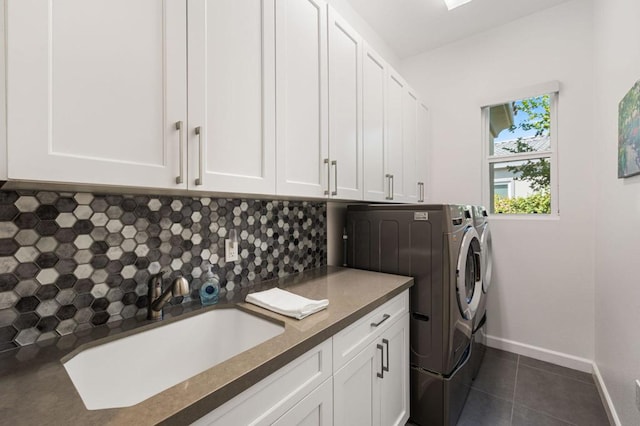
439 247
479 338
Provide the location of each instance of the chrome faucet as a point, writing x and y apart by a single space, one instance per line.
158 298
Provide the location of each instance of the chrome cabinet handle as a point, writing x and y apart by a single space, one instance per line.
384 318
381 373
389 177
179 128
326 191
421 192
335 177
386 343
200 160
393 181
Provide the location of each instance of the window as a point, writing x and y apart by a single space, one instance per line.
503 187
520 155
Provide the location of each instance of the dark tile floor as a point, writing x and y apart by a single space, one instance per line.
517 390
514 390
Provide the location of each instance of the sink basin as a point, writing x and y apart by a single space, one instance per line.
129 370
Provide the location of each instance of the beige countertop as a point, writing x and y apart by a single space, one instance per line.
35 388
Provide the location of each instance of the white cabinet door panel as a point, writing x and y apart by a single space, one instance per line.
394 149
356 393
409 127
422 149
95 89
231 95
301 97
373 111
345 110
394 404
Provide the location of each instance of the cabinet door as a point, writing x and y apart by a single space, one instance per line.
410 188
231 96
95 89
394 150
394 403
301 98
356 393
345 109
422 149
316 409
373 117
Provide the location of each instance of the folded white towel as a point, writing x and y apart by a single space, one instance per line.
286 303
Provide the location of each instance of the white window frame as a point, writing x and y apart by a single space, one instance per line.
509 182
553 90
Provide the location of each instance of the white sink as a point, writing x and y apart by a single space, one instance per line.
129 370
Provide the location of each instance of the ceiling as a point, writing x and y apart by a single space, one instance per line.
413 26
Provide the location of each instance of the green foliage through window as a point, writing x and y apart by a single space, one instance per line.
539 203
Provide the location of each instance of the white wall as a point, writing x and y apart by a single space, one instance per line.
617 277
543 292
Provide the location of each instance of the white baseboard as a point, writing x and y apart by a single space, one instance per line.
558 358
606 398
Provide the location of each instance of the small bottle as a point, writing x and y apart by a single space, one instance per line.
209 289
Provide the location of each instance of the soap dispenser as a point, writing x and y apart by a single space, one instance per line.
209 289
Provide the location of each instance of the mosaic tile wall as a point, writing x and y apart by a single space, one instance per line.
70 261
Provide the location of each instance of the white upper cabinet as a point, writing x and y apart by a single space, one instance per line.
95 91
422 148
373 135
345 109
410 190
396 88
301 98
231 96
260 97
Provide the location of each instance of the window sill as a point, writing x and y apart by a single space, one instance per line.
524 217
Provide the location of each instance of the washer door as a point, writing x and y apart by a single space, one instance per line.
469 280
487 257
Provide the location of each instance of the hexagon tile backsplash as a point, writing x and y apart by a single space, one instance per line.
70 261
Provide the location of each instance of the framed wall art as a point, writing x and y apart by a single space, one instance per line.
629 133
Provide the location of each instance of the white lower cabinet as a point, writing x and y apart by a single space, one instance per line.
268 400
373 387
360 376
394 385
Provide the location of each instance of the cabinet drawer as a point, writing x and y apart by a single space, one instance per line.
354 338
273 396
